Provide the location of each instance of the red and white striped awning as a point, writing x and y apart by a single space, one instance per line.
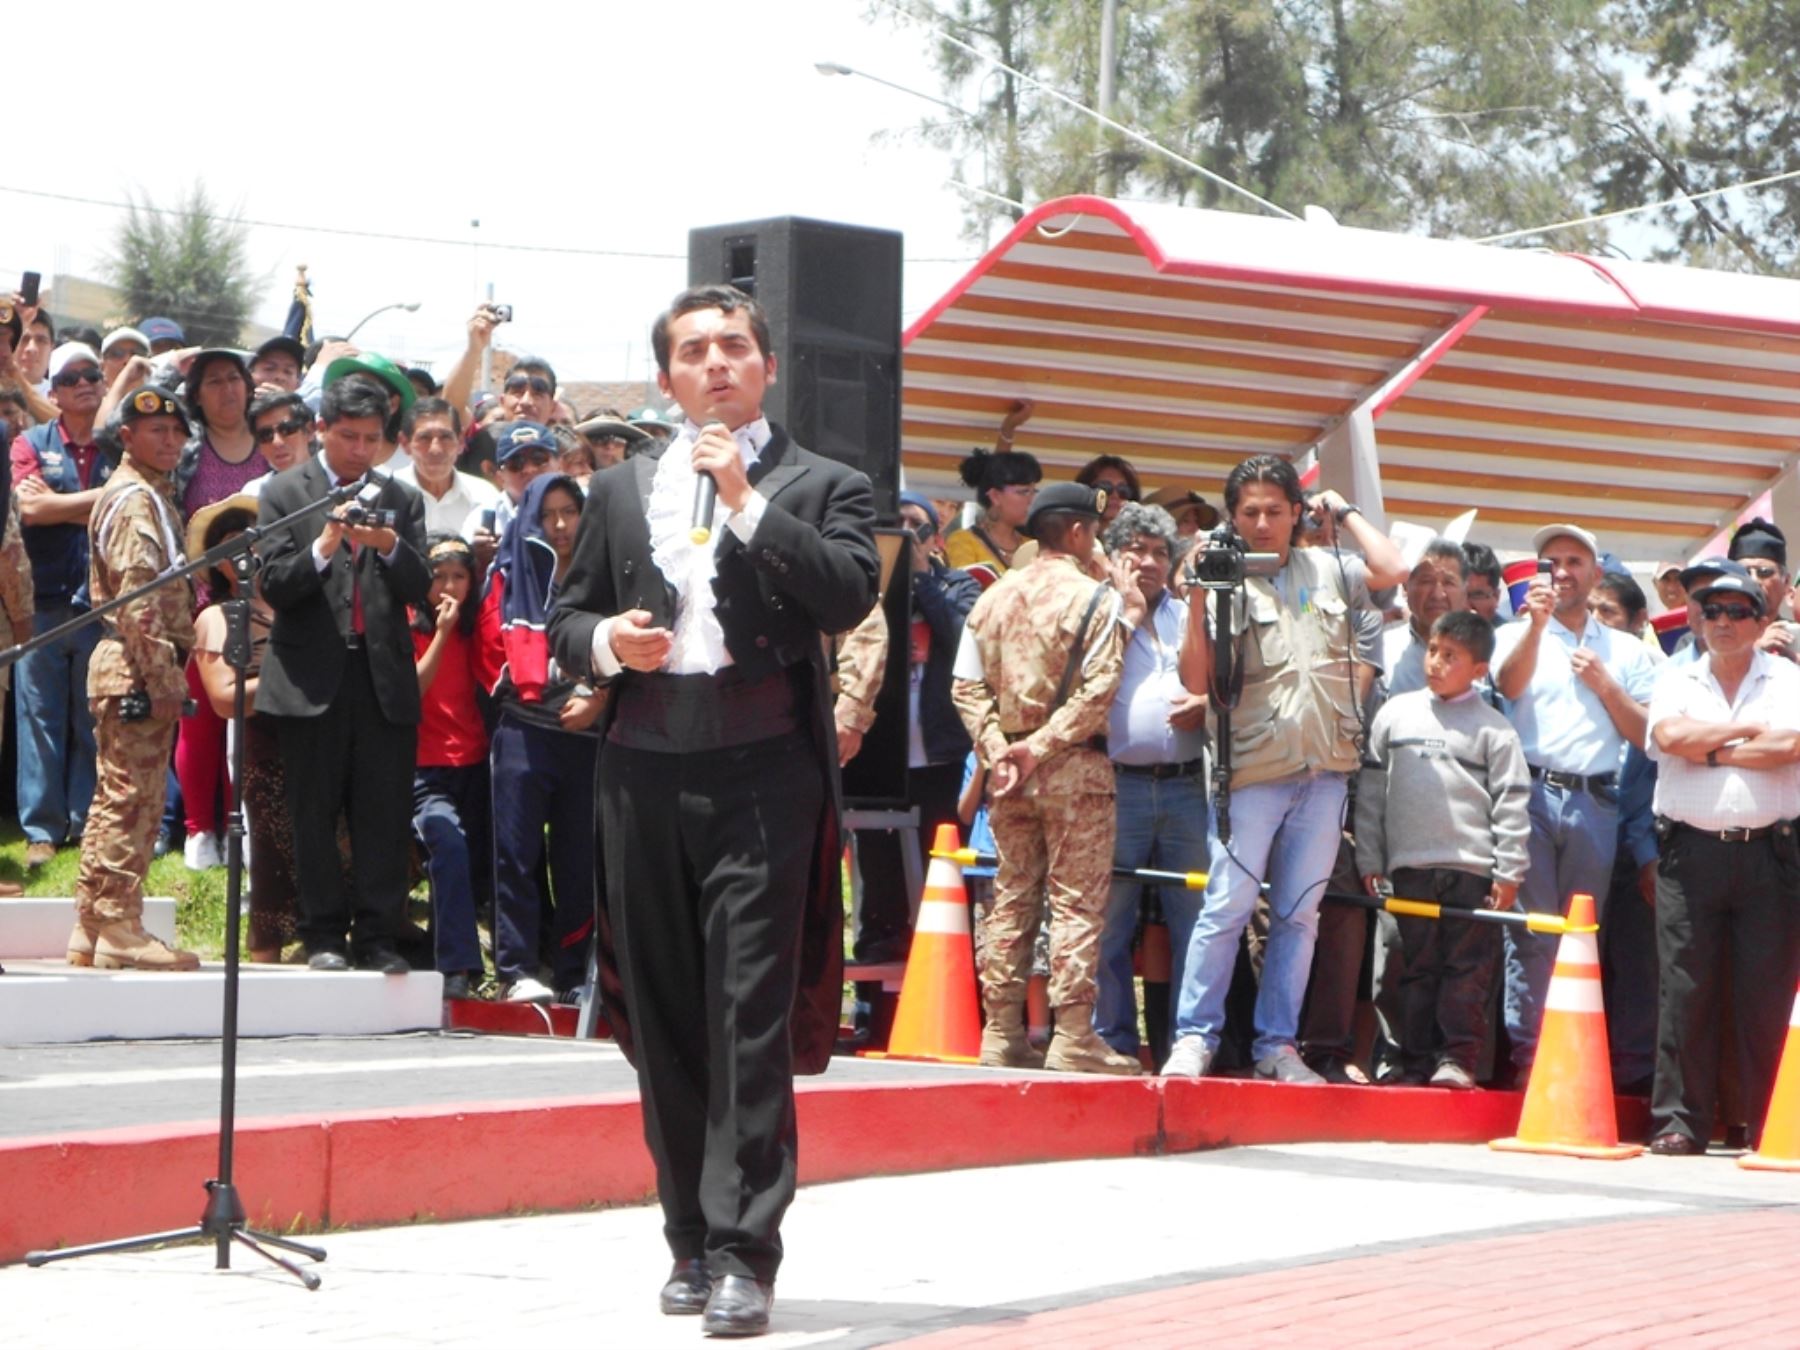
1650 403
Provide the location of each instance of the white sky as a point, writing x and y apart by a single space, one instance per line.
587 125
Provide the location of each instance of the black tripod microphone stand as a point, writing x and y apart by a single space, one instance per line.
224 1221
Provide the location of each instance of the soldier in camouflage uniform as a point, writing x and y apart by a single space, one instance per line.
1052 815
859 662
134 536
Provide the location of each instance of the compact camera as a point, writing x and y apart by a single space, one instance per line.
501 313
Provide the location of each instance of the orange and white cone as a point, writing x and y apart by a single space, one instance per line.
939 1016
1779 1150
1569 1108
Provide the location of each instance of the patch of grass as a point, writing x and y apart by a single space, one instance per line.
199 896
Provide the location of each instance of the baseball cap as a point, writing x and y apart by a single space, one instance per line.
1759 538
1695 573
162 330
514 438
119 335
1562 529
281 342
1664 568
1727 584
69 353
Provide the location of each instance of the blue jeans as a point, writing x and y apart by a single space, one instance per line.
450 821
56 731
542 802
1574 835
1287 832
1162 824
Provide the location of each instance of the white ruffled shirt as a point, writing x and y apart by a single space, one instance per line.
699 642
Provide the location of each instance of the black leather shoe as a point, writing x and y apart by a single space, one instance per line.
686 1292
1675 1144
385 960
456 985
739 1306
327 961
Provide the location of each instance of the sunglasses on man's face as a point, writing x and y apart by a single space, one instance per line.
1762 571
1736 613
518 384
535 459
268 435
70 378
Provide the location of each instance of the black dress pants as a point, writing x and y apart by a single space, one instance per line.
1450 968
1722 906
350 761
708 860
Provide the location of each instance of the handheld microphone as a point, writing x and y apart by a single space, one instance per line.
706 496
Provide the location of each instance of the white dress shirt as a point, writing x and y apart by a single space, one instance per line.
699 641
1726 797
463 501
1138 730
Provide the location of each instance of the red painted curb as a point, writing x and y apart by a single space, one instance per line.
492 1158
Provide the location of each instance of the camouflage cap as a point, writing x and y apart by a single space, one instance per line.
1075 499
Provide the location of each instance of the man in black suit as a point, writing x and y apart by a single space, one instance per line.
338 672
718 788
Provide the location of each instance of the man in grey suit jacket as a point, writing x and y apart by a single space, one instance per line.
338 672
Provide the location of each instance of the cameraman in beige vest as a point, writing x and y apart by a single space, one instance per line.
1293 744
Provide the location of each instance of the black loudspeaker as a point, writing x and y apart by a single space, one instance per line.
832 294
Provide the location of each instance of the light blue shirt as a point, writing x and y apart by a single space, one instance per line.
1138 730
1403 660
1561 722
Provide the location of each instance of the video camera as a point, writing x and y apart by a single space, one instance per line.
374 517
1223 561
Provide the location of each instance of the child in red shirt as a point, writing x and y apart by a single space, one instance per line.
450 784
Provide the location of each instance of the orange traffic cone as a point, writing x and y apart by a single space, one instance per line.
1779 1150
1569 1102
939 1017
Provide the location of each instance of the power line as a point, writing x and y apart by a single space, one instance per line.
370 234
1682 200
1137 136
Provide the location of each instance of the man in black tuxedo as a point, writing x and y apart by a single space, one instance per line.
718 788
338 672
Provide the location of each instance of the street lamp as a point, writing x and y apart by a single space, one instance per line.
411 307
839 68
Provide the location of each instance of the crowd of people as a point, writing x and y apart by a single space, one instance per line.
397 686
1398 726
1343 720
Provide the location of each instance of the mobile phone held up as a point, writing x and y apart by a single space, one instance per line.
28 288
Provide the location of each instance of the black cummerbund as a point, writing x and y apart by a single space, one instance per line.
682 714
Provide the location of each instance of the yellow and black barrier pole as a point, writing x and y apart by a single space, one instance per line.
1416 909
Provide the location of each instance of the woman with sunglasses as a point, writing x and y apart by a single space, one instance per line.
1116 477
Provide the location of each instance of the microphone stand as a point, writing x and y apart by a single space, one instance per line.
224 1220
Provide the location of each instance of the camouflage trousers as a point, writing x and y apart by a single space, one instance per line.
1056 848
131 783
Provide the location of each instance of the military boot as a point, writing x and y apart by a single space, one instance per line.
124 945
1077 1048
81 943
1004 1044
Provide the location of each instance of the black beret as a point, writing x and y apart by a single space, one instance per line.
1075 499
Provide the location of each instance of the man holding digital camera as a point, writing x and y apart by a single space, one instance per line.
1292 745
338 673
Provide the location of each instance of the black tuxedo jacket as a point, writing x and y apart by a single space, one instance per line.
810 570
308 644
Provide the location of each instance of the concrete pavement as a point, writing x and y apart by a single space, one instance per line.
1395 1242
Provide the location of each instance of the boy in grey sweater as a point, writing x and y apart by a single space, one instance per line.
1441 816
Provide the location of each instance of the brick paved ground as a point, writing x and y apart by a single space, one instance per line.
1315 1244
